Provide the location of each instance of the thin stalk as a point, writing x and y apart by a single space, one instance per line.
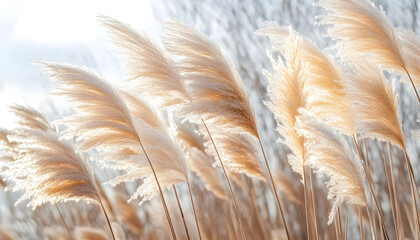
182 213
228 182
165 207
371 189
107 220
257 212
371 224
313 194
195 214
64 222
337 235
413 85
392 193
413 192
305 198
362 234
274 189
345 226
339 221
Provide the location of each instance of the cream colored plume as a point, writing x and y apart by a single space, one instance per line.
375 104
287 93
89 233
239 153
198 161
45 168
148 67
104 122
327 98
215 88
327 154
411 48
363 30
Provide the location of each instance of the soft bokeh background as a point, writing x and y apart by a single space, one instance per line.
68 31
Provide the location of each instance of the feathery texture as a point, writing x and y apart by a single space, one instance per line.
90 233
197 159
45 168
127 214
363 29
326 153
214 86
287 93
410 44
285 184
239 153
375 104
147 66
327 98
104 122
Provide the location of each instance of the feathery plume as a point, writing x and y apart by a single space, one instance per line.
375 104
326 153
147 66
104 122
198 160
287 93
239 152
362 29
327 98
410 47
45 168
218 96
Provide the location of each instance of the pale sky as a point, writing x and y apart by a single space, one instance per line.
58 31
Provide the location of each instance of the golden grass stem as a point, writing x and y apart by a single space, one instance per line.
371 188
64 222
181 212
413 186
339 222
107 220
305 198
228 182
413 85
345 226
362 233
165 207
372 229
195 213
392 191
274 189
257 212
314 205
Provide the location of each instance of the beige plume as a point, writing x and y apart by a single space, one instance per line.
411 47
147 66
327 154
104 122
127 214
45 168
327 98
375 104
218 96
89 233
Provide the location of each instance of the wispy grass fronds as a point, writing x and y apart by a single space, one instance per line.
47 169
30 118
218 95
363 29
327 154
104 122
375 104
239 154
147 66
411 47
327 98
198 161
287 93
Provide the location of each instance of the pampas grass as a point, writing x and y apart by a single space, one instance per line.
182 109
